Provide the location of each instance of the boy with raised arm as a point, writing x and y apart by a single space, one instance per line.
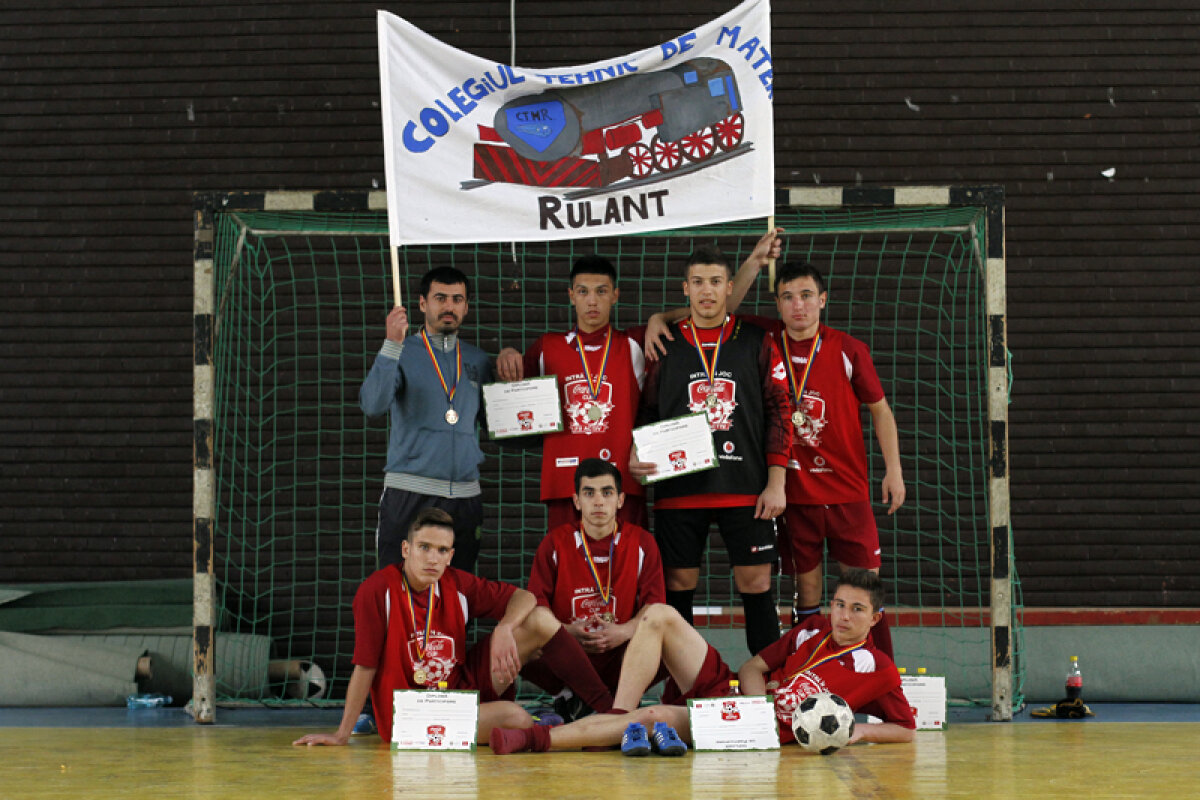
717 364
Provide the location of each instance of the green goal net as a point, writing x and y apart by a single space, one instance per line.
300 301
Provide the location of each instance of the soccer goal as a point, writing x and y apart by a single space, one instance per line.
291 293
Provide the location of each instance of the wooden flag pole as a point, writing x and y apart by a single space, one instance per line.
396 274
771 261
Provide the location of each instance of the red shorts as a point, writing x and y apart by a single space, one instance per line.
562 511
711 681
475 672
849 528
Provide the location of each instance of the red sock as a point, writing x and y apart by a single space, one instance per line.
514 740
881 635
566 659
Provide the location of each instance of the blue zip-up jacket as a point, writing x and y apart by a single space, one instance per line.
427 454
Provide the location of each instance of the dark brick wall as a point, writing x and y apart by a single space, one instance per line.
112 114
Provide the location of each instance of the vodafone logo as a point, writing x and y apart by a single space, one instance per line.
606 454
727 447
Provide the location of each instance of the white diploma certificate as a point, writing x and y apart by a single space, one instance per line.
434 720
523 408
734 723
678 446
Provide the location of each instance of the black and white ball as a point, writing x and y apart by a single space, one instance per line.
823 723
309 684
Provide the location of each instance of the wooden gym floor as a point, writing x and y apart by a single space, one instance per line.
111 753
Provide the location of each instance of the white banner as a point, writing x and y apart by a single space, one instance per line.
672 136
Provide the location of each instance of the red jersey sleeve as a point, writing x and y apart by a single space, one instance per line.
485 598
892 707
370 620
652 587
766 323
532 359
863 376
544 575
777 404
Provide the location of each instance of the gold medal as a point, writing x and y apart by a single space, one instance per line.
711 401
799 418
420 676
451 416
608 617
594 412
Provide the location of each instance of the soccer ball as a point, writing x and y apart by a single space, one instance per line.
310 684
823 723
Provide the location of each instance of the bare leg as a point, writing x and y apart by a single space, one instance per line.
606 729
664 637
808 586
682 579
500 714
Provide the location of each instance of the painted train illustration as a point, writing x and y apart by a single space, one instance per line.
635 127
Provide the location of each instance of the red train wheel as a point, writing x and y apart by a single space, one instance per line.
699 145
641 159
667 155
729 132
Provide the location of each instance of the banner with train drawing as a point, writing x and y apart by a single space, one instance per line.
676 135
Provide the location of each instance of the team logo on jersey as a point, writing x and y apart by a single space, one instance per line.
435 735
586 415
808 432
789 696
439 658
720 411
591 607
729 711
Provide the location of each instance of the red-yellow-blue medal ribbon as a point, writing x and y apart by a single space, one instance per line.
605 592
813 663
710 369
419 674
594 384
799 386
451 414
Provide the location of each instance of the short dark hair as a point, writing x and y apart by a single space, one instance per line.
431 517
596 468
593 265
446 275
792 270
707 254
866 580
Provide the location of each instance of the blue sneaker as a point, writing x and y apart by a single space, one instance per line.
667 741
365 724
634 741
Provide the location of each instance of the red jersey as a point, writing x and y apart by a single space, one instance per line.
828 459
807 661
562 580
596 424
386 638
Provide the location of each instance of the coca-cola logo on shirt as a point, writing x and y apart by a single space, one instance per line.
720 412
586 415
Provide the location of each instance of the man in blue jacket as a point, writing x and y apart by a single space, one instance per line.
429 385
